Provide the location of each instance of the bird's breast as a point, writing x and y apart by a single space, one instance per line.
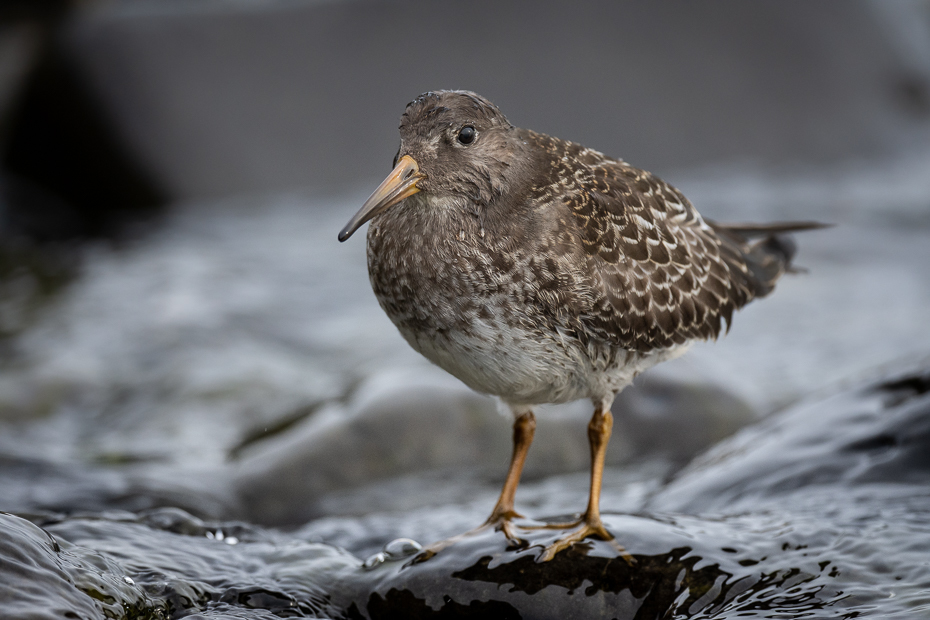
493 309
434 271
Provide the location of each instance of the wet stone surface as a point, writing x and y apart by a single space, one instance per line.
820 511
872 436
672 569
164 564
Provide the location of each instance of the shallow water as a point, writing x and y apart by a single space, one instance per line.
762 526
216 420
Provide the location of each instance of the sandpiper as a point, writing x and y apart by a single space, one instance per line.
540 271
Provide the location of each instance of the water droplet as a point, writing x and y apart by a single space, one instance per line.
129 580
481 232
232 540
219 535
401 548
373 561
461 235
210 535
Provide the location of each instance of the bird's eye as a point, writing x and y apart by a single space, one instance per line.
467 134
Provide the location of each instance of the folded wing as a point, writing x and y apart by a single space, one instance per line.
664 275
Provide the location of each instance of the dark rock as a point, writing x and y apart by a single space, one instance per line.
66 170
672 570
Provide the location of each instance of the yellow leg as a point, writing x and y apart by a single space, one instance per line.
524 427
599 430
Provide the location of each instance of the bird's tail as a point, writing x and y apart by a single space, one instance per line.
767 249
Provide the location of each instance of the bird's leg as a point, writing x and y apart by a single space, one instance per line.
523 429
524 426
599 429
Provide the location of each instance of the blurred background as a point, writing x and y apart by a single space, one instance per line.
180 327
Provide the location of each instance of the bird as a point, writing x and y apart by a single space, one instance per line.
540 271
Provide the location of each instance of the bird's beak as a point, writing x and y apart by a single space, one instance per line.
401 183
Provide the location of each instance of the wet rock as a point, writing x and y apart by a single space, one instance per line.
42 578
33 485
337 449
166 563
675 567
819 511
158 565
424 423
31 580
676 418
876 434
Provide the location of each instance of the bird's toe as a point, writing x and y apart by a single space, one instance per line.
584 529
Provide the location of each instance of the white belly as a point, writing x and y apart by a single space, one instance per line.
526 367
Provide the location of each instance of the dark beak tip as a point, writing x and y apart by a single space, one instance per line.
401 183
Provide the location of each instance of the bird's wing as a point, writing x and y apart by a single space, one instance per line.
662 275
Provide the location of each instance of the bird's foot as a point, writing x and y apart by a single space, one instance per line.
583 528
500 521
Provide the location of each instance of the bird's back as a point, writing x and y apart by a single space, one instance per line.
661 276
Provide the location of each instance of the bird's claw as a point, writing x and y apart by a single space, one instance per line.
583 529
501 522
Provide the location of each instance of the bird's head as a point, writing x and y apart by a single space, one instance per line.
455 146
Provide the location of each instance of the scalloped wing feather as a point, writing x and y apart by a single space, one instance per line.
662 275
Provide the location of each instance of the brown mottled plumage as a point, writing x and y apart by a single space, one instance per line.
541 271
